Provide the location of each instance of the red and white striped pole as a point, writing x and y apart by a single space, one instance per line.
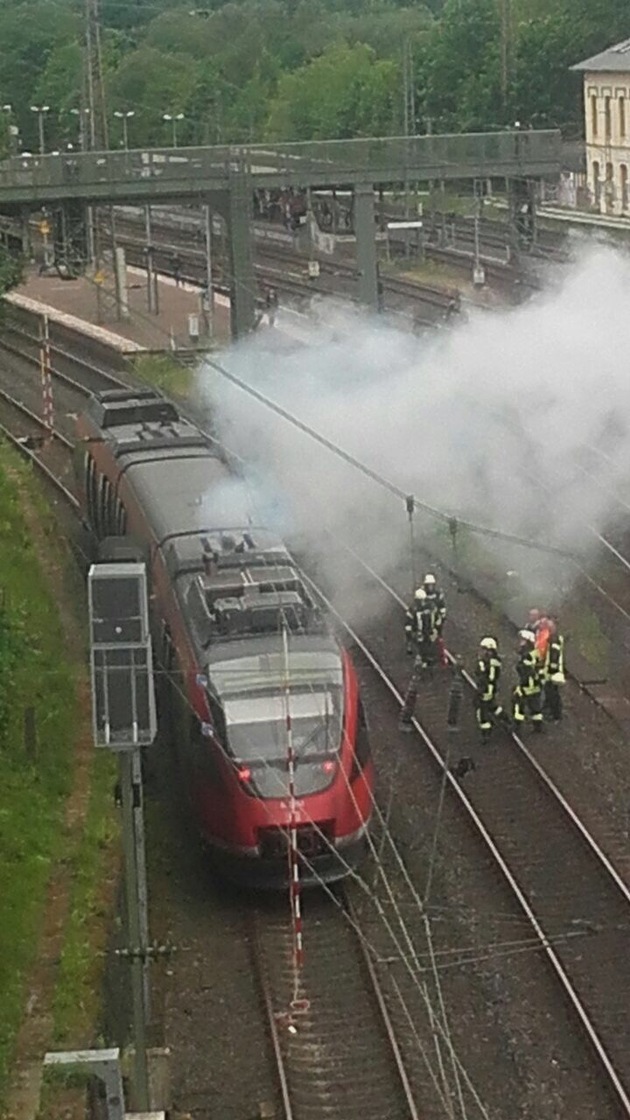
48 407
294 856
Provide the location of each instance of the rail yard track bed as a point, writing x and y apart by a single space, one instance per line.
519 1049
508 1024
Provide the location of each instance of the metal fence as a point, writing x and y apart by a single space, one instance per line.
186 171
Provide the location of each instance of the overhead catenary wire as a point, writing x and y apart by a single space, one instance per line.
375 476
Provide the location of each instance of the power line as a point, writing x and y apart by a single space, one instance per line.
454 522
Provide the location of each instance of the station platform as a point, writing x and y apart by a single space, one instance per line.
96 304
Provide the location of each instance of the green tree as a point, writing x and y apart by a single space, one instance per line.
460 70
30 32
346 92
152 83
11 271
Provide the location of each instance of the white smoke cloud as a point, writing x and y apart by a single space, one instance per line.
487 421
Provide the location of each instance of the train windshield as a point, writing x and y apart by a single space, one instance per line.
257 735
250 686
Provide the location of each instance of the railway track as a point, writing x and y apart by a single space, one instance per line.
578 921
81 374
336 1050
427 306
47 448
288 271
580 917
455 246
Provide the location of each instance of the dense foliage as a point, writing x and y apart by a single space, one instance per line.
295 69
11 269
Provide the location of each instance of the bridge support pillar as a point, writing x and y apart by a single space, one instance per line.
243 281
365 229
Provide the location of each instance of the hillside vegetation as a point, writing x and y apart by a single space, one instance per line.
252 70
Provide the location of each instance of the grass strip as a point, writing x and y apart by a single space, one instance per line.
165 373
95 865
34 673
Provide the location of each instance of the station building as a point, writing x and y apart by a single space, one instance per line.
607 121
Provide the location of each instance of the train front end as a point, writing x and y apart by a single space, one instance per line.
298 765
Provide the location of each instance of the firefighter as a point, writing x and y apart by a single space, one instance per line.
527 695
421 632
554 673
533 618
487 676
436 596
422 629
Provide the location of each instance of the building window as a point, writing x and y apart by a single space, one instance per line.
594 114
623 181
609 187
596 183
607 117
622 117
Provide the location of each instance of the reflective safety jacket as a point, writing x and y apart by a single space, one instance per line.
528 672
436 599
554 662
422 622
487 674
543 634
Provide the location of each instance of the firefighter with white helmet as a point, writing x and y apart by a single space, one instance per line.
487 676
527 694
422 633
422 623
436 595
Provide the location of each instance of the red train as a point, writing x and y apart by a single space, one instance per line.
232 622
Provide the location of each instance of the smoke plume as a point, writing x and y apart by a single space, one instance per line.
515 419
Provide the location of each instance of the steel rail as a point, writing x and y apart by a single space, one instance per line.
374 990
377 988
281 1070
411 289
55 348
35 459
65 379
551 786
499 859
19 406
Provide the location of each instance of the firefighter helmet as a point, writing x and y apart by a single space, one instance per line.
421 594
527 636
429 580
488 643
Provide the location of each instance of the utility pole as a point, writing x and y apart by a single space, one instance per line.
409 111
209 297
505 12
95 80
97 118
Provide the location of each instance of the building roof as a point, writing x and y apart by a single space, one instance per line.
613 59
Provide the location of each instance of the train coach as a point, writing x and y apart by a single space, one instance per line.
252 675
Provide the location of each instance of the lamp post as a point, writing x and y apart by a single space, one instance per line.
173 118
124 117
41 111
